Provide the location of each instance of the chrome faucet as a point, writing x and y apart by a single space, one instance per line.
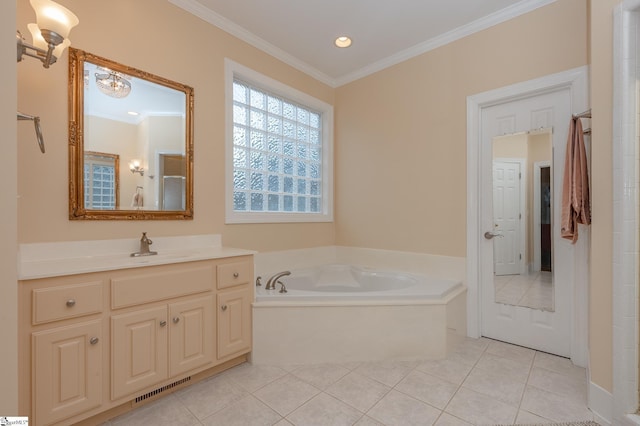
145 242
271 282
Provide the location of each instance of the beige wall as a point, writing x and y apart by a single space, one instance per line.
173 44
8 214
601 291
401 153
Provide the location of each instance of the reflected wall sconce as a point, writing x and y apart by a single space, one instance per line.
135 167
50 34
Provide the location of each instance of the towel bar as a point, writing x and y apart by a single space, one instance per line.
36 124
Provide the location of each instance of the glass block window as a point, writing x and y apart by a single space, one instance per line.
279 157
100 183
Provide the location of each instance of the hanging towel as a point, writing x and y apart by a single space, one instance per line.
137 200
575 188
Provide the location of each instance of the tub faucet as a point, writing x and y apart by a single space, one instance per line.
271 282
145 242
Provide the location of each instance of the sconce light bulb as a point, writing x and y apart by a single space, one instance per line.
54 17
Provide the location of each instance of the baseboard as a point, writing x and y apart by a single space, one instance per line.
601 404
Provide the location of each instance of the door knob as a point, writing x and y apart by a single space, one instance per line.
490 235
223 307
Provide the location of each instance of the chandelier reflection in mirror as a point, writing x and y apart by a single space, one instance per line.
113 83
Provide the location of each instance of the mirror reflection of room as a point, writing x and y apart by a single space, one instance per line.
146 128
523 212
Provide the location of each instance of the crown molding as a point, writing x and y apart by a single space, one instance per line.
206 14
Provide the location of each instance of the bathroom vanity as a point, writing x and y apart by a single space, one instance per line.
113 332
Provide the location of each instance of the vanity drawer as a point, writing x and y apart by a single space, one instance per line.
69 301
160 283
232 274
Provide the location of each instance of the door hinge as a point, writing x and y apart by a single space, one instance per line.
519 175
520 256
520 216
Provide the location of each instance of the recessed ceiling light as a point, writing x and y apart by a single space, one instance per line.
343 41
133 113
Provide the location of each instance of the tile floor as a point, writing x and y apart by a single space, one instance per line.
482 381
532 291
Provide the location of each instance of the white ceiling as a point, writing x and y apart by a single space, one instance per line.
384 32
146 99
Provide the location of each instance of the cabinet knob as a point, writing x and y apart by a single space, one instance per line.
94 340
71 303
223 307
176 320
163 323
236 275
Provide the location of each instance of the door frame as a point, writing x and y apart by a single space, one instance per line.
522 265
537 240
577 82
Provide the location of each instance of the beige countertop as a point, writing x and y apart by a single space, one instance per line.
44 260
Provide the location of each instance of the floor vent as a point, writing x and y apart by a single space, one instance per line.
157 392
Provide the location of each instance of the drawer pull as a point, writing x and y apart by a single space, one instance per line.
176 320
71 303
94 340
163 323
223 307
236 275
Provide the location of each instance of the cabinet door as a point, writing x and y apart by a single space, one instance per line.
67 371
191 334
138 350
234 322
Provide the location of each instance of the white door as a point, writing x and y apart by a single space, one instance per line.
538 329
507 215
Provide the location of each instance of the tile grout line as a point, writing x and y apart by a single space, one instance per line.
484 351
526 383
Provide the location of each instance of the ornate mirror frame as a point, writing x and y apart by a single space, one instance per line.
77 210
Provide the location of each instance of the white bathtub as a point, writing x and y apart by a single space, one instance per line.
344 313
347 282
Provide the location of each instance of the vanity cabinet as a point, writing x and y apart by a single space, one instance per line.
167 328
138 350
93 342
191 344
151 345
62 325
234 308
67 370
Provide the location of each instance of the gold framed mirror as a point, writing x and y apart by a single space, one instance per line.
130 142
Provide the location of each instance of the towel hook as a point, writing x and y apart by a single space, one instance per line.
36 124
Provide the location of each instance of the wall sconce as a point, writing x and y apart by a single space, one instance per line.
50 34
134 166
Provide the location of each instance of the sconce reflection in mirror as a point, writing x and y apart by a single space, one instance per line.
50 38
135 167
